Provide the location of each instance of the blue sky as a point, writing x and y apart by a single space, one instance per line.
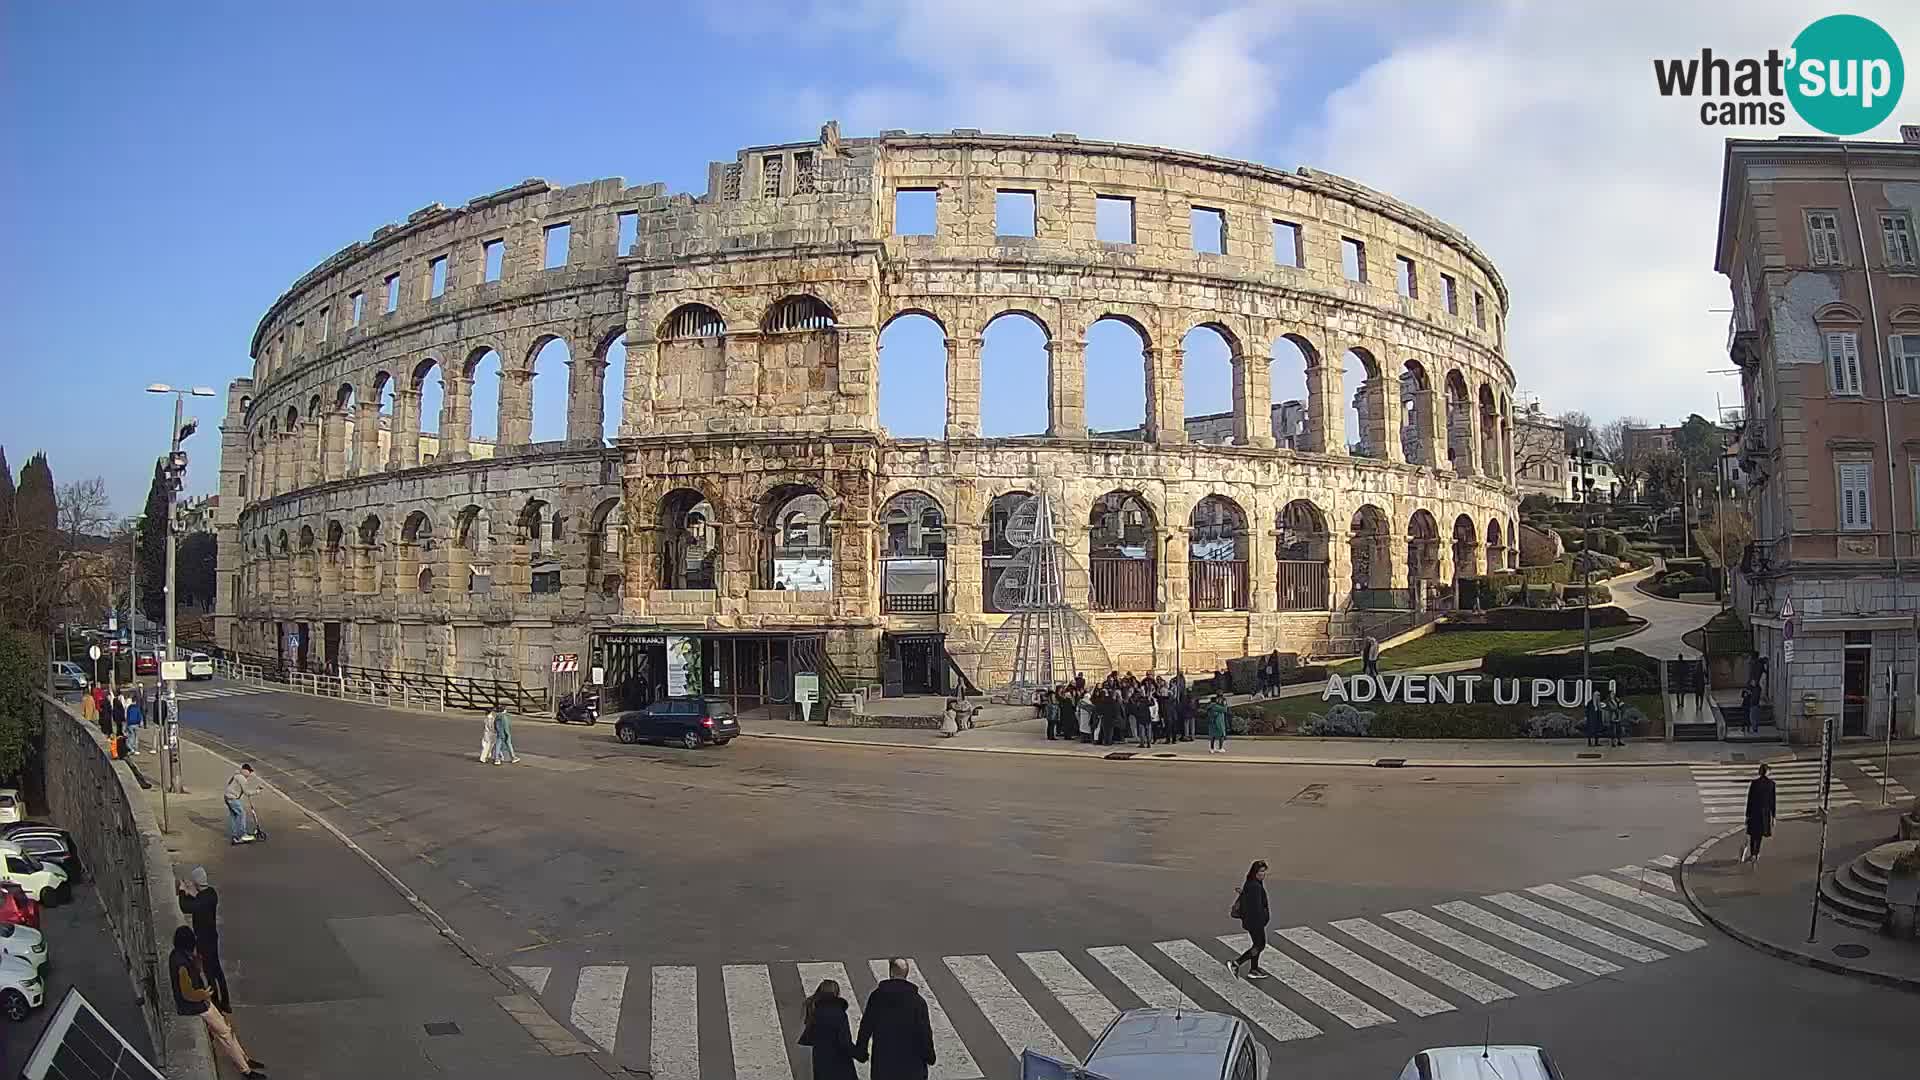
170 168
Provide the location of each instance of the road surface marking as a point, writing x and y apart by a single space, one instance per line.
1142 979
811 975
1017 1024
596 1004
1625 920
535 977
1671 909
1528 939
675 1053
1532 974
1276 1019
1587 932
1668 861
759 1048
1366 972
1422 961
1090 1008
1311 985
954 1061
1646 877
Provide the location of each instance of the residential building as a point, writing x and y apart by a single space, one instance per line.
1539 454
197 514
1590 476
1816 237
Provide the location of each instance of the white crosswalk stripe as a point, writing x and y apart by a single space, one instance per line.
675 1053
1267 1014
596 1004
1141 978
1090 1008
226 691
1659 879
1422 961
1500 960
1668 861
1882 783
1528 939
813 973
1723 788
1366 972
1660 905
1625 920
1019 1026
1587 932
534 977
952 1059
759 1049
1311 985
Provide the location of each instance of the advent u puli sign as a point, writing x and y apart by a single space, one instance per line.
1458 689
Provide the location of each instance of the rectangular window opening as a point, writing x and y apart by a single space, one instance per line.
1286 244
359 302
1113 219
437 277
916 211
393 293
1843 363
1480 310
1904 352
1209 230
299 334
1406 277
1353 259
1450 294
772 170
326 321
1823 238
494 252
1856 485
629 234
1013 213
1896 230
555 241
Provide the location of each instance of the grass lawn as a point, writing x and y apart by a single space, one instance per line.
1296 709
1447 646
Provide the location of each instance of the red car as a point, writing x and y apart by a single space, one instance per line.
146 663
17 907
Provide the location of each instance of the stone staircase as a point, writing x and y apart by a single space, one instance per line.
1856 894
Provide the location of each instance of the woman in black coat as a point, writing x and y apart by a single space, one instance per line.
824 1023
1251 909
1760 811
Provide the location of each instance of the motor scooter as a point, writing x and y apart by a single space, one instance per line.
580 708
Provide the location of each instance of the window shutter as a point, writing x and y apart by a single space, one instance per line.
1837 363
1896 356
1817 239
1851 343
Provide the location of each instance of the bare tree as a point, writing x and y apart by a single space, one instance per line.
1539 447
1615 439
84 516
85 512
1577 427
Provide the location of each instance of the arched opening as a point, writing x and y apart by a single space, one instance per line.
1123 541
1363 389
1115 383
476 544
1423 553
1513 545
315 441
1209 361
913 377
1491 455
1301 542
613 387
1416 413
690 322
1014 355
997 549
431 388
424 581
1217 551
382 435
416 539
1496 547
689 541
1459 426
797 315
913 555
798 537
606 548
543 567
483 397
1290 394
1466 552
418 529
1371 557
549 370
372 547
693 358
348 446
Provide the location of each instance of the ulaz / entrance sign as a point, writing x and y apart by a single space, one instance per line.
1456 689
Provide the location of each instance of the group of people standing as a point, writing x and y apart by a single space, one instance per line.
496 739
896 1030
1144 710
126 713
198 980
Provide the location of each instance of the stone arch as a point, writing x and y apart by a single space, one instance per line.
418 529
1364 389
473 538
1459 424
797 522
1506 449
611 370
912 535
1466 549
1123 552
1292 393
1369 540
689 540
429 387
1016 347
691 372
692 321
482 382
606 548
1496 546
534 530
1304 555
1491 452
1423 551
1211 368
1416 420
1115 377
534 406
1219 548
913 365
797 313
997 550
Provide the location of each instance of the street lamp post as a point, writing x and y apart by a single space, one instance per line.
175 473
1586 582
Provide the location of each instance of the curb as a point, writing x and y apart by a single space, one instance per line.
515 988
1804 959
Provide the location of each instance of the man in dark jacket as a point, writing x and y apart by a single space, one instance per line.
1760 811
895 1024
200 901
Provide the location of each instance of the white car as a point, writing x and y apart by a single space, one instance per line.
22 988
24 942
199 666
1162 1044
44 881
1481 1063
12 809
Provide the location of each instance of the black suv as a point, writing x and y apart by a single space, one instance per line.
690 722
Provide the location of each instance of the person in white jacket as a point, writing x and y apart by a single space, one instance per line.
486 739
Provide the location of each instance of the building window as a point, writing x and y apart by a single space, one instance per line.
1843 363
1480 310
556 241
437 277
1896 231
1353 259
730 182
916 212
1113 219
494 253
1013 213
393 293
627 234
1856 485
772 168
1904 351
1287 249
1449 294
803 174
358 301
325 315
1823 238
1406 277
1209 229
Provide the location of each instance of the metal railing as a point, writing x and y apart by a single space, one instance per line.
407 689
1303 585
1123 584
897 571
1381 600
1217 585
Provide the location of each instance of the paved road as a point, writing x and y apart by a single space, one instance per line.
645 890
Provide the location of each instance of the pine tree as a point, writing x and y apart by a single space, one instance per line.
153 546
30 551
6 494
34 507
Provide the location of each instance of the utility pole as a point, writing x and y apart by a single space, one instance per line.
1586 583
175 471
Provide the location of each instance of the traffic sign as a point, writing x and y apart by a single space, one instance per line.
93 652
1786 608
565 662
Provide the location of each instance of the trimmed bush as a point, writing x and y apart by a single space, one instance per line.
1601 594
1635 672
1527 618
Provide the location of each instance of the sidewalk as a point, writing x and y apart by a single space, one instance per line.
337 976
1769 904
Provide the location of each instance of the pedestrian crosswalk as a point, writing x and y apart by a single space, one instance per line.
1886 789
1723 788
1367 971
230 690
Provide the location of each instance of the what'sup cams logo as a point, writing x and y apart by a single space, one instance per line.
1843 75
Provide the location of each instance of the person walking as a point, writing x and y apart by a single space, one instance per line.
115 718
487 732
1760 812
503 738
239 786
1699 684
896 1027
1217 725
823 1026
136 718
1370 658
191 997
90 707
200 902
1250 907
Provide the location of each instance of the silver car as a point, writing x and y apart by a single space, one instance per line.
1481 1063
1162 1044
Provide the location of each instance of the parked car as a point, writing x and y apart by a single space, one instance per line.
17 908
691 722
12 807
146 663
1162 1044
1478 1062
68 675
22 988
24 942
45 882
48 843
199 666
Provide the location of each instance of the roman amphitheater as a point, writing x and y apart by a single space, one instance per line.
726 480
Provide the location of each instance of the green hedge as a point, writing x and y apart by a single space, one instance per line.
1601 594
1634 671
1528 618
